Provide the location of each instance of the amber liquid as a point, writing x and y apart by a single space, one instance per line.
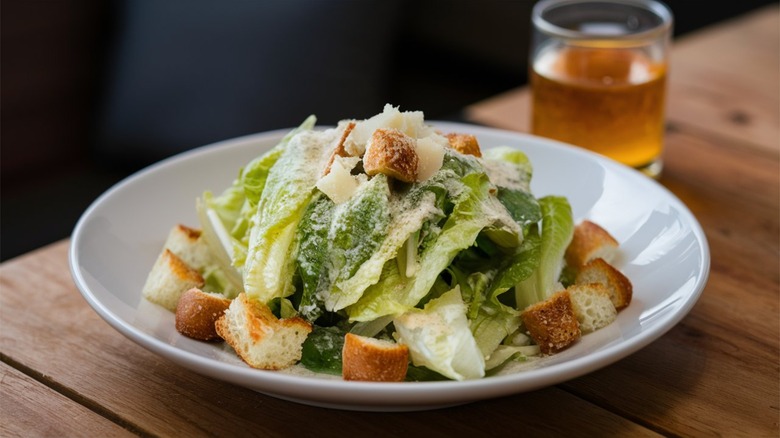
608 100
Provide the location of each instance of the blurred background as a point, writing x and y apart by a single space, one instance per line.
95 90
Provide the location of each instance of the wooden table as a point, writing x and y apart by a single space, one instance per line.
65 372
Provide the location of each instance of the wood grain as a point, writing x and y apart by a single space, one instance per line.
52 330
725 80
28 408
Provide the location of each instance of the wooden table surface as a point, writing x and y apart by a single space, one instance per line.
65 372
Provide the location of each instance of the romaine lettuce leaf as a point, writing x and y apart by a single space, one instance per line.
474 210
255 174
503 353
225 218
439 338
270 261
312 254
556 234
416 208
358 229
321 351
508 167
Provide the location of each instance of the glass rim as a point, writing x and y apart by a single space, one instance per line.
656 7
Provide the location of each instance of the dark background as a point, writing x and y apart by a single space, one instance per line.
93 91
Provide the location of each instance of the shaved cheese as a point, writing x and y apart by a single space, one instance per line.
339 184
430 156
411 123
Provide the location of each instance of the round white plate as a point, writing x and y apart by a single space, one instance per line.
665 255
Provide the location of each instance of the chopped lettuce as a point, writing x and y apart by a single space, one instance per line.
225 218
439 338
336 240
269 265
474 211
313 233
556 234
321 351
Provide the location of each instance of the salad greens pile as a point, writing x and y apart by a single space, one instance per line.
444 265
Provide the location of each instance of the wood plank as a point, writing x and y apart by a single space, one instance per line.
727 79
730 167
694 382
28 408
63 339
510 110
716 372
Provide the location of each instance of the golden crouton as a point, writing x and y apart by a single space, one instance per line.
590 241
552 323
392 153
169 278
188 245
339 150
259 338
592 306
371 359
617 284
465 144
197 312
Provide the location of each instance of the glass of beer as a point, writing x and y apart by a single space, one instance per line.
598 77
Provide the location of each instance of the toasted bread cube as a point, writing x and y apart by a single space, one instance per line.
188 244
169 278
465 144
376 360
618 285
592 306
259 338
590 241
392 153
552 323
339 150
197 312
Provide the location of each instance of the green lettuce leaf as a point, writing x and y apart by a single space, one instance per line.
225 218
556 234
321 350
358 229
255 174
312 253
414 210
474 210
439 338
270 261
509 167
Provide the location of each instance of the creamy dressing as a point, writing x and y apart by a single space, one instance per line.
504 174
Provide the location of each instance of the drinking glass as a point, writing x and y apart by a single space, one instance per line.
598 77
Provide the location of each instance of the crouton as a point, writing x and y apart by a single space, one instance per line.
197 312
618 285
371 359
392 153
551 323
590 241
592 306
259 338
188 244
339 150
169 278
465 144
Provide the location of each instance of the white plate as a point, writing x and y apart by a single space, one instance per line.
665 252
